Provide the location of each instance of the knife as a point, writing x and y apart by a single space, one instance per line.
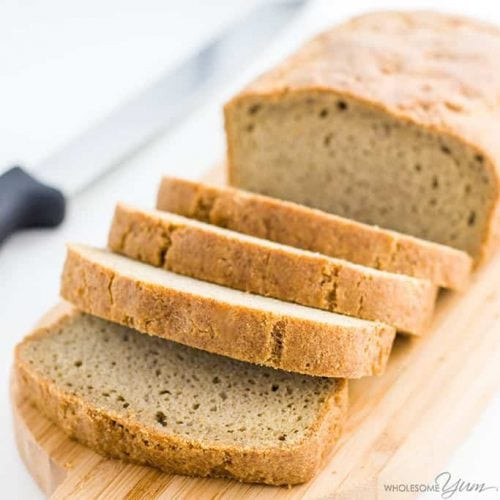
37 197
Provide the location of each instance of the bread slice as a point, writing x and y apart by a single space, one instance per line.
187 411
221 320
317 231
388 119
250 264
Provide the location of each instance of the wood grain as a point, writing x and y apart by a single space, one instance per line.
402 427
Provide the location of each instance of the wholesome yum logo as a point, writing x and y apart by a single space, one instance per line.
444 484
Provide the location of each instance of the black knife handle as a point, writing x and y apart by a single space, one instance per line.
26 202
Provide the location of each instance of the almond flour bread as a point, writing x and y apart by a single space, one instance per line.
243 326
228 258
187 411
389 119
317 231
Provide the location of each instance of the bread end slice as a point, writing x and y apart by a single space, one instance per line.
187 411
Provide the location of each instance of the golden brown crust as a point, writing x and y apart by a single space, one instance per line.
116 437
240 332
437 71
302 227
254 265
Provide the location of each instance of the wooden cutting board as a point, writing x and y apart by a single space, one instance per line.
402 427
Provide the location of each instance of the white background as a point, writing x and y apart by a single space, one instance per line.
65 64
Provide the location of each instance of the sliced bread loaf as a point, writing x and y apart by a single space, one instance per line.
388 119
309 229
221 320
259 266
187 411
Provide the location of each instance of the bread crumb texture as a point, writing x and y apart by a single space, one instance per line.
389 119
152 401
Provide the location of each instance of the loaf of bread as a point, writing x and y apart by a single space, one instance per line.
217 319
250 264
389 119
187 411
314 230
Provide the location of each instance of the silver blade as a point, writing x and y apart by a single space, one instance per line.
121 134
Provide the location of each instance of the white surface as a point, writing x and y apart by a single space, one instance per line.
30 262
62 64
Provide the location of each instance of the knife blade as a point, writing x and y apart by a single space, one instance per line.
37 197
